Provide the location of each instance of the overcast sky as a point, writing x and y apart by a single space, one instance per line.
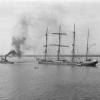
51 13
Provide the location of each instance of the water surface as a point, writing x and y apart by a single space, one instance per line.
27 80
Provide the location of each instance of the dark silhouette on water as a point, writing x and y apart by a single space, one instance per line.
4 58
87 62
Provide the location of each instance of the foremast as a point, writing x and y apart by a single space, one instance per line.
46 45
73 50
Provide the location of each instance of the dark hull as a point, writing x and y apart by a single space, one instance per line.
91 63
59 63
6 62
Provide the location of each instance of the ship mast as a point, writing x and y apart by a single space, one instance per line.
46 45
73 50
59 42
87 46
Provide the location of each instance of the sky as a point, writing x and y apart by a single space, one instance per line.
40 14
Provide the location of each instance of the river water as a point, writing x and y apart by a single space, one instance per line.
27 80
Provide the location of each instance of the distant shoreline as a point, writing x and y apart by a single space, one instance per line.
54 56
61 55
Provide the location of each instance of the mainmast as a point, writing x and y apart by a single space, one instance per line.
46 45
59 42
87 46
73 51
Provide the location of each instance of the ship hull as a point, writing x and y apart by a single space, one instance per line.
90 64
6 62
58 63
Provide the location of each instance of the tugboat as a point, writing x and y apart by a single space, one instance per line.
4 58
5 61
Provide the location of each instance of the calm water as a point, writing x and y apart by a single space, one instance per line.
27 80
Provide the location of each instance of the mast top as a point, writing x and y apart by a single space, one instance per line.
74 27
59 33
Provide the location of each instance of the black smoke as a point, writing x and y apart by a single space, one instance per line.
19 39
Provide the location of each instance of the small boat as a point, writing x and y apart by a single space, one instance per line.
5 61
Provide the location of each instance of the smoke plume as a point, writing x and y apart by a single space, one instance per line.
19 39
30 31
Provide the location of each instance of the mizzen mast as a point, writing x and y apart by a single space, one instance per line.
87 50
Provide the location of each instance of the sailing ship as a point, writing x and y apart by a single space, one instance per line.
87 62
